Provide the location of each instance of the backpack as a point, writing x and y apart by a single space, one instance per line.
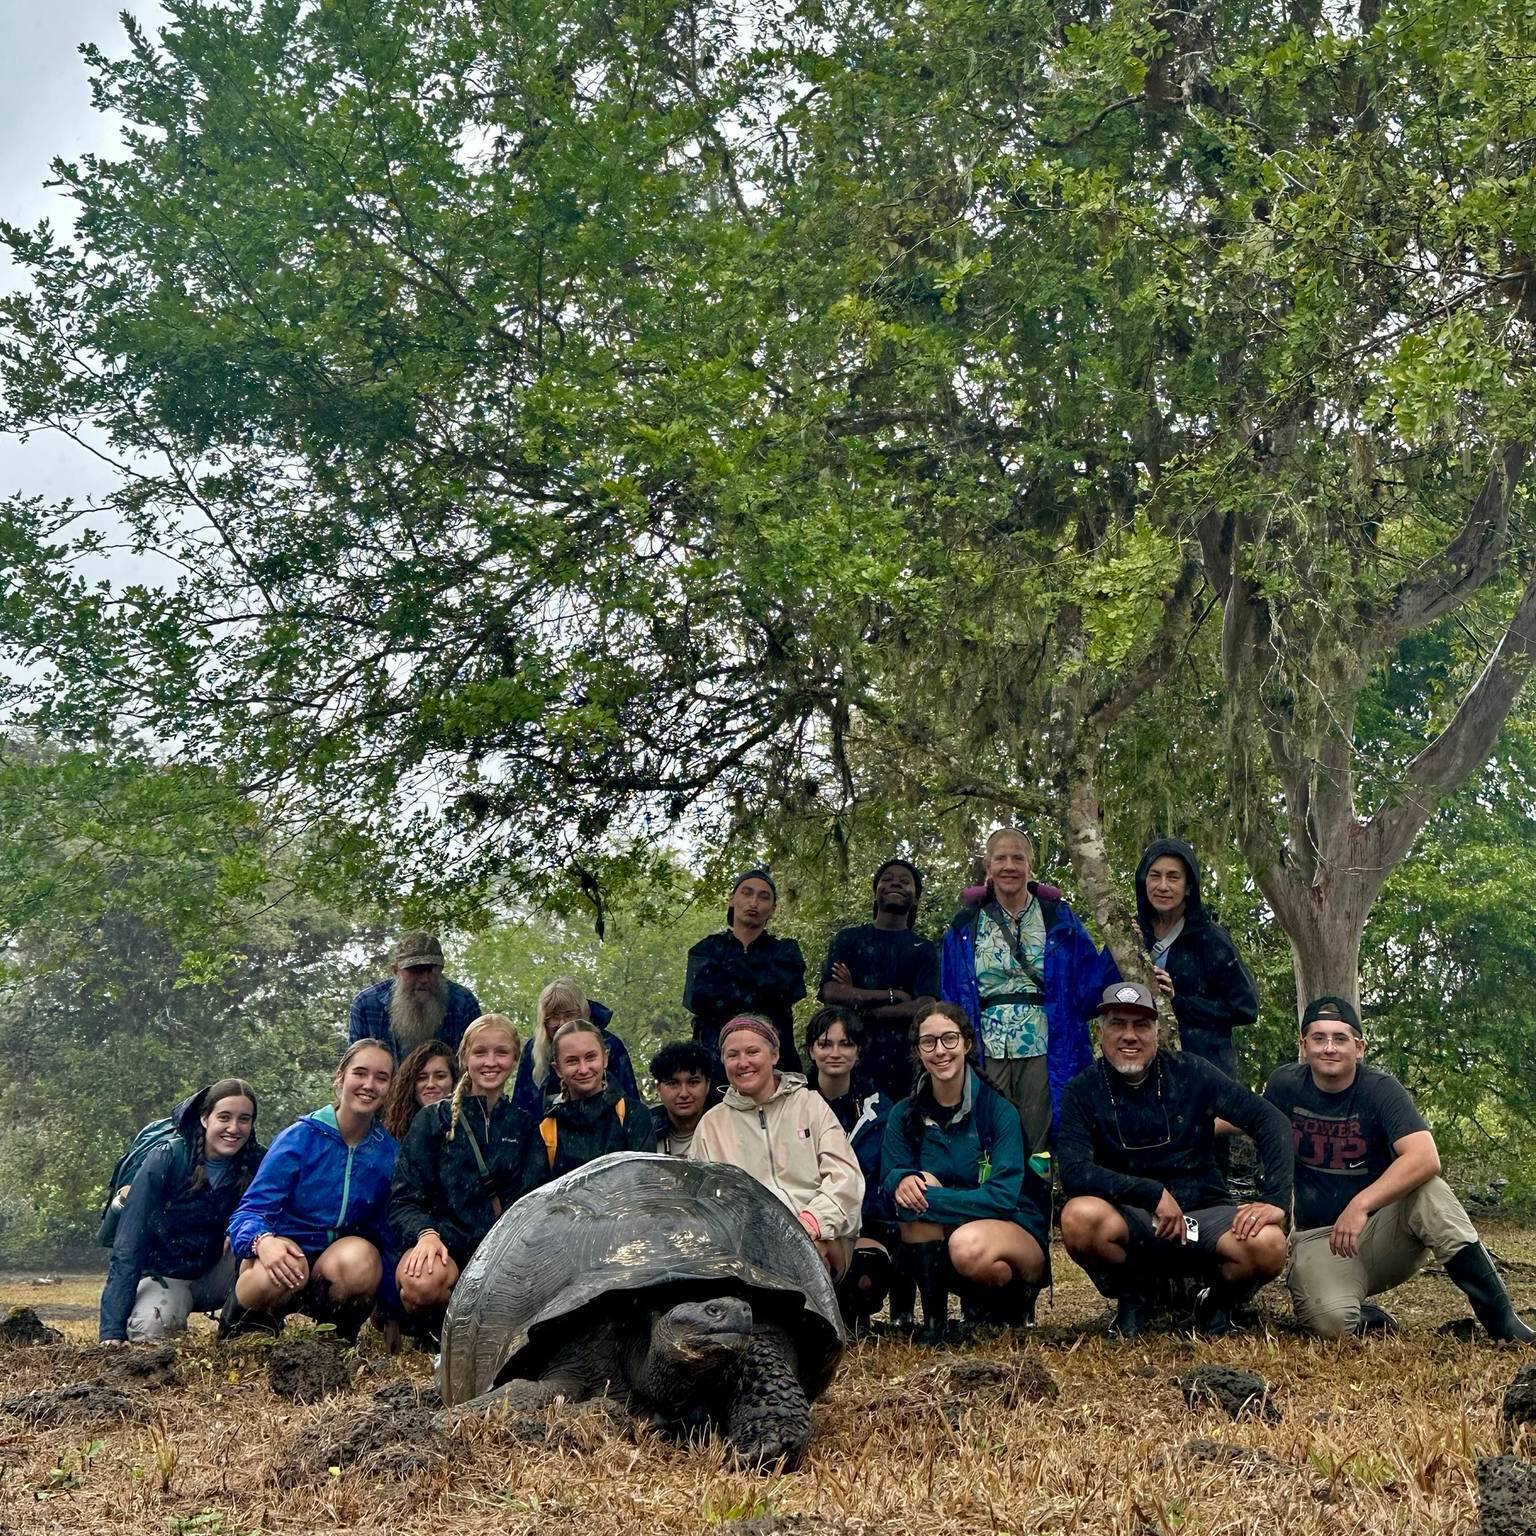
549 1131
155 1134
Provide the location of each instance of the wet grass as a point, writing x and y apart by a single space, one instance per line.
1373 1438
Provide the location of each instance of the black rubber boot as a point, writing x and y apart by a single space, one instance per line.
1131 1316
928 1265
903 1300
235 1320
425 1328
1000 1306
1472 1273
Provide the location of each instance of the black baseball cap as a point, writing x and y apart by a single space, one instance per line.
1338 1009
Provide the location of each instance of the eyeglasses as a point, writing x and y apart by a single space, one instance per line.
928 1044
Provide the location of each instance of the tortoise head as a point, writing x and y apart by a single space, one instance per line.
690 1345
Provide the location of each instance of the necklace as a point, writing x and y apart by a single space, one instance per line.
1114 1109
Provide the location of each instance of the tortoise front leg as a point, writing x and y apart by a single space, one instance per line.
769 1417
514 1398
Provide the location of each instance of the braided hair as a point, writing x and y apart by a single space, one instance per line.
487 1023
225 1088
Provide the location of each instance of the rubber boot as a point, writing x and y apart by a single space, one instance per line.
928 1265
425 1328
235 1319
1000 1306
1471 1271
1375 1321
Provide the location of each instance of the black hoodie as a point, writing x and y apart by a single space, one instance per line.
1212 989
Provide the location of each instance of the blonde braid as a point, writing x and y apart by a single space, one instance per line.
455 1102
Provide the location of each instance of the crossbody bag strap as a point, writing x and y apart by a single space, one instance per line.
485 1173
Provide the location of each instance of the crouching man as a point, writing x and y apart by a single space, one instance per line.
1146 1197
1370 1203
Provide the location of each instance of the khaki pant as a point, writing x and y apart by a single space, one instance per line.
163 1306
1025 1083
1326 1291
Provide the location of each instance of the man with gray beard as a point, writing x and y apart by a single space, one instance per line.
1146 1199
416 1004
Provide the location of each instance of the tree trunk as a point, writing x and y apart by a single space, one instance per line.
1325 919
1101 897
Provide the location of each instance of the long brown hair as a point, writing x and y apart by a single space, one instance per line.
225 1088
400 1106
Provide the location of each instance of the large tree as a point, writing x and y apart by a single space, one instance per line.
568 422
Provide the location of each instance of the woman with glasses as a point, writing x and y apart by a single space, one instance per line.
954 1167
563 1002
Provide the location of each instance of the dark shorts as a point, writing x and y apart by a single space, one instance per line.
1197 1256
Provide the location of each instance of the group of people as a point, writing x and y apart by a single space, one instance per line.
948 1090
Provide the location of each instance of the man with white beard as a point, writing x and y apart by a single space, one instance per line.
1146 1197
416 1004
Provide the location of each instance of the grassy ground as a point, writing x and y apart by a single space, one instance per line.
1374 1438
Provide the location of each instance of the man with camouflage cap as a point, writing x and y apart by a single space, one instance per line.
416 1004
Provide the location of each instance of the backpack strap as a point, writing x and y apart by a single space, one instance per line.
549 1133
621 1109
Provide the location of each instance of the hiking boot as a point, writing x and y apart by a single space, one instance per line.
928 1265
1130 1320
1375 1322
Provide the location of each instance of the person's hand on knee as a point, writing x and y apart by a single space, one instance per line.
283 1260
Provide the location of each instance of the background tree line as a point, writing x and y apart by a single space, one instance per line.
586 444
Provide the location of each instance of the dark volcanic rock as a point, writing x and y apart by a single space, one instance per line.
147 1366
1221 1386
21 1325
1520 1398
81 1402
406 1393
793 1525
375 1437
1506 1497
304 1370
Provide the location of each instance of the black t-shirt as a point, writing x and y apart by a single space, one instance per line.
1344 1141
885 958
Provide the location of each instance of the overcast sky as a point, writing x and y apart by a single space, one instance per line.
45 110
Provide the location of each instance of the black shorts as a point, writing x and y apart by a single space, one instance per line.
1196 1256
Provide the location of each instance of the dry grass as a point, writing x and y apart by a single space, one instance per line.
1378 1438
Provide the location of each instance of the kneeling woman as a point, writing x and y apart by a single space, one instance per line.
168 1253
953 1164
313 1229
592 1116
772 1126
466 1159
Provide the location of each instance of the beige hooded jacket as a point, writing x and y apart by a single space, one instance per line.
794 1145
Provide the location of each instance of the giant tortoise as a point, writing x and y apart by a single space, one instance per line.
686 1290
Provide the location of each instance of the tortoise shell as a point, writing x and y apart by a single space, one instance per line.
632 1223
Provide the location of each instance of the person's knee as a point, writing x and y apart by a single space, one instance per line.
968 1254
1260 1257
352 1267
1330 1317
1082 1225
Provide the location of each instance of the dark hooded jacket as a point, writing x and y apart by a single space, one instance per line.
437 1180
580 1130
168 1228
1212 989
